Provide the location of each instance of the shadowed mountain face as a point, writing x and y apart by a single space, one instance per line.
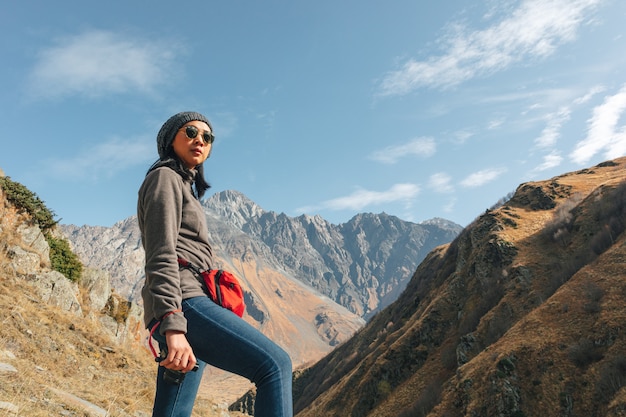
521 315
308 284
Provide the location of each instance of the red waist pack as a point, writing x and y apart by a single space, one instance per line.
224 288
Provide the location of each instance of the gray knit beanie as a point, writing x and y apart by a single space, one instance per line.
166 135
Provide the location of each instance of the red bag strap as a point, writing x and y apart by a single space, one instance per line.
152 330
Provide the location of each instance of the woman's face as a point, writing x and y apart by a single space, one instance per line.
193 151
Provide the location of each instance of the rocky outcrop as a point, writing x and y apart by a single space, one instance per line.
97 283
28 255
53 288
25 267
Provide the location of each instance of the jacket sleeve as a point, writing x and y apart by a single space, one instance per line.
161 201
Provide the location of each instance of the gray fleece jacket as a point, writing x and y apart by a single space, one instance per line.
172 225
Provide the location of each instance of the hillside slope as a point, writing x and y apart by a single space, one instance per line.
522 315
69 349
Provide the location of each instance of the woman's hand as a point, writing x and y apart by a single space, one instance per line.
180 356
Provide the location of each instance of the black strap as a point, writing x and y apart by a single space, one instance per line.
185 264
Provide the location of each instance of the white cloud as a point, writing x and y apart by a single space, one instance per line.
482 177
105 160
592 92
618 147
362 198
462 136
498 7
441 183
449 206
555 121
552 131
603 132
552 160
534 30
423 147
495 124
99 63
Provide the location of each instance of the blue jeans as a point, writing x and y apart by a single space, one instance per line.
221 339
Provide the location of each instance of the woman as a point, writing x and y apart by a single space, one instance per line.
190 328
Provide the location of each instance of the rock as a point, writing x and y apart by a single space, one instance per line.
9 407
23 262
122 324
6 368
465 349
55 289
90 408
98 285
133 325
36 242
109 324
7 354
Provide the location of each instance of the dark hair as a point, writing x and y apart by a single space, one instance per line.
172 161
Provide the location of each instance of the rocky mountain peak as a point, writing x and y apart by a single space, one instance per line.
234 207
441 223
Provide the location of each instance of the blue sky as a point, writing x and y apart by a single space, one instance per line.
327 107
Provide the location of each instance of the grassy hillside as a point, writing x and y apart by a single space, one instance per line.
522 315
54 362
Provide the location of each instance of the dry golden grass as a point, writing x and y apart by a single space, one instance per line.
66 363
54 351
531 294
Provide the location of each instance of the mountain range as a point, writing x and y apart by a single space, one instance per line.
308 284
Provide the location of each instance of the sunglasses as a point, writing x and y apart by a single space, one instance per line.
192 132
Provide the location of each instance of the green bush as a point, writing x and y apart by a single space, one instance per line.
28 201
62 258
